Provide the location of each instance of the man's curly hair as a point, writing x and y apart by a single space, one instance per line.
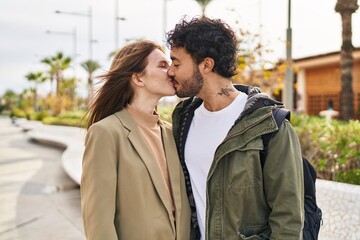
205 37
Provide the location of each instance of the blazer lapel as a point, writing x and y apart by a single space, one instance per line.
141 147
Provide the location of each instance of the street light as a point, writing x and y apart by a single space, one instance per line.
73 34
164 16
165 8
289 75
117 19
89 15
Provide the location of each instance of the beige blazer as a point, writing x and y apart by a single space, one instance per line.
123 194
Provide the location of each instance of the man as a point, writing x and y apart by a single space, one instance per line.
218 133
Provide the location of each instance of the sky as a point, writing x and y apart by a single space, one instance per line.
24 41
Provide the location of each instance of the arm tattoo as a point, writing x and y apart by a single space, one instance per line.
226 91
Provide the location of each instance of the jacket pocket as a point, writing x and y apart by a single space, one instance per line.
243 171
256 232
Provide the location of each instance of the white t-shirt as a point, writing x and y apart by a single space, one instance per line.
207 131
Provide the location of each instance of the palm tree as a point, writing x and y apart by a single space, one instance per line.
37 78
57 63
50 72
68 93
90 67
203 4
346 8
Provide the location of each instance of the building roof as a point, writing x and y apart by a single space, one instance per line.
323 59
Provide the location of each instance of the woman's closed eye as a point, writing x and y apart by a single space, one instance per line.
164 65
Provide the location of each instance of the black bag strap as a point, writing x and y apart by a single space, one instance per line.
280 114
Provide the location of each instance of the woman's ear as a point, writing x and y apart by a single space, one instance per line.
207 65
135 78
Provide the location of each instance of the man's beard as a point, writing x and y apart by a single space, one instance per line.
191 86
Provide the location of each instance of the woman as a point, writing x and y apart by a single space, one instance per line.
132 185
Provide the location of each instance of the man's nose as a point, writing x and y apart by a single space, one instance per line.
170 72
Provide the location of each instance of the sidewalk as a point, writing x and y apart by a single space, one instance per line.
71 139
38 201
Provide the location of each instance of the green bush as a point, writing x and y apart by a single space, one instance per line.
72 115
165 113
352 176
66 119
333 147
17 112
63 121
37 116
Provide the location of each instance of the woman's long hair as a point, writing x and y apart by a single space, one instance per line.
117 91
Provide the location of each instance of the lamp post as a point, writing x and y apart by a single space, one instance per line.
117 19
88 15
164 16
74 36
289 75
165 8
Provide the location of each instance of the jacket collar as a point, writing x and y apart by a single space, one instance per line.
256 99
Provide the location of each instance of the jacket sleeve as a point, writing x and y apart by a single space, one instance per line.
284 185
98 184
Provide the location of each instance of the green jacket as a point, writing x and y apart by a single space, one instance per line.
244 200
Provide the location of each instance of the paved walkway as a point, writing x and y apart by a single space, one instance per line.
38 201
70 139
340 202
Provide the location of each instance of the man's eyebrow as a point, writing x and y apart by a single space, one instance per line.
173 58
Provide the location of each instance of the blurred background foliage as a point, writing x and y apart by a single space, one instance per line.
333 147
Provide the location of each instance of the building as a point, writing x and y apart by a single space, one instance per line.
319 82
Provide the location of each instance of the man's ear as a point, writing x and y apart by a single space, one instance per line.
135 78
207 65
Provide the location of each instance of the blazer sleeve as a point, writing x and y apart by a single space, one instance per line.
284 185
98 184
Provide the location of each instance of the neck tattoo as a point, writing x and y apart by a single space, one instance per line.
225 91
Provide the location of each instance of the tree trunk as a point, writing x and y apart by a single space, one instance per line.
58 106
51 85
36 108
90 89
346 8
346 65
